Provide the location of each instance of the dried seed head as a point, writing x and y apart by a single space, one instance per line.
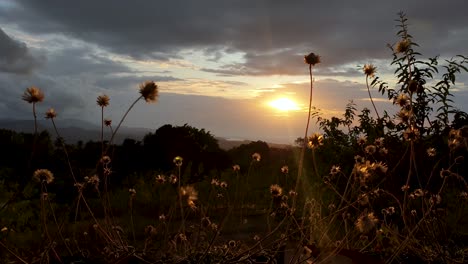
312 59
403 46
276 190
103 100
149 91
256 156
43 176
50 113
107 122
366 222
33 95
369 70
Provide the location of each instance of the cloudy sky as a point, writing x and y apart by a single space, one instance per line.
218 64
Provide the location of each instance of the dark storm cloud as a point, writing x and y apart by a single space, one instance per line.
15 56
267 31
132 81
59 95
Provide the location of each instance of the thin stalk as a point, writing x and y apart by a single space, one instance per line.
304 143
370 96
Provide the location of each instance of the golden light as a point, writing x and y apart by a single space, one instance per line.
284 104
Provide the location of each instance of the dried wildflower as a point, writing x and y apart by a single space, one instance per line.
172 179
435 199
402 100
335 170
331 207
366 222
103 100
454 143
232 243
256 157
33 95
105 160
362 140
178 161
411 134
391 210
379 142
413 212
214 226
94 180
223 184
285 169
370 149
404 115
43 176
162 218
418 193
215 182
363 199
151 231
463 195
403 46
189 193
205 222
312 59
256 238
292 193
4 229
315 141
276 190
383 151
380 167
107 122
358 159
369 70
236 167
50 113
404 188
161 179
149 91
444 173
132 191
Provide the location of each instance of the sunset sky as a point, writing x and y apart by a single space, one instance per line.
218 64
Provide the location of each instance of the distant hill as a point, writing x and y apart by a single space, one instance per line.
74 130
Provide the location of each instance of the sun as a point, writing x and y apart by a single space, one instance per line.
284 104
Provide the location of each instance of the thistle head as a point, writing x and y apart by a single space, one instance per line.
369 70
50 114
149 91
312 59
102 100
33 95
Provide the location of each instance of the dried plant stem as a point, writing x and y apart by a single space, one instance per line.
13 253
304 143
370 97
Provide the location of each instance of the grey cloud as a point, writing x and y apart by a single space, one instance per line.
15 56
341 32
134 80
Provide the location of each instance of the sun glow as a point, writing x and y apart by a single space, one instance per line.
284 104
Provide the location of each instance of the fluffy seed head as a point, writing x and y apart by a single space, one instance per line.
403 46
33 95
402 100
369 70
43 176
312 59
149 91
366 222
315 141
103 100
276 190
50 113
256 156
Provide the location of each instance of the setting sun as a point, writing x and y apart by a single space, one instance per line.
284 104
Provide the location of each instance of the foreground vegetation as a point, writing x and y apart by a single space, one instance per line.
373 188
